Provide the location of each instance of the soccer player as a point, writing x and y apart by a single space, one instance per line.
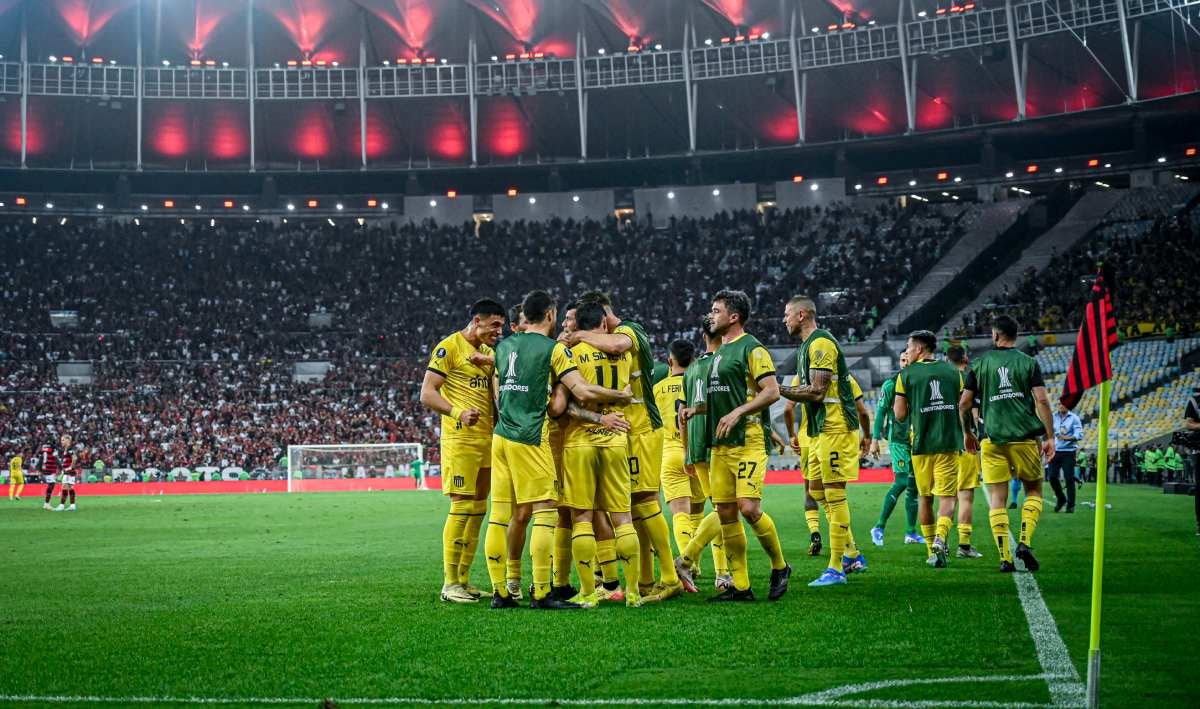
457 385
48 465
16 477
525 485
1013 402
645 445
898 447
926 391
830 411
801 445
596 474
69 466
684 492
741 388
694 436
968 468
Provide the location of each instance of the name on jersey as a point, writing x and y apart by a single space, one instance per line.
723 388
1007 395
514 387
932 408
478 382
599 357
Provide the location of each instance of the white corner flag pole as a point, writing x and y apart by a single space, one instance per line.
1093 669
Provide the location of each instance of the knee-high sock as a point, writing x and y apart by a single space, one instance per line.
49 492
839 525
645 555
563 549
890 498
735 549
999 521
655 525
681 529
628 548
818 496
495 545
541 548
72 496
964 534
813 519
606 556
943 527
695 519
851 549
768 537
583 548
452 538
62 498
471 540
1030 512
929 531
910 506
709 530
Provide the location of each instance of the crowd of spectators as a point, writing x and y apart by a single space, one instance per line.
193 329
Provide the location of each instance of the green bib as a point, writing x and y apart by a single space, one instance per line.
1004 377
645 365
523 367
932 389
695 379
727 390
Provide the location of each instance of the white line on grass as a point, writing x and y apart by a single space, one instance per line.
1066 689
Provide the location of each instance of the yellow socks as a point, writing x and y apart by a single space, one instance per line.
764 529
606 556
709 530
928 531
563 546
813 518
471 540
839 525
943 527
495 545
655 525
964 534
681 527
735 549
541 547
627 548
1030 512
583 547
452 539
999 521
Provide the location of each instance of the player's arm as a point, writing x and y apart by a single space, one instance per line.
864 422
560 399
431 398
900 402
763 370
587 393
613 420
613 343
1041 403
966 412
815 391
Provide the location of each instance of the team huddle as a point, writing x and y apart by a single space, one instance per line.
572 431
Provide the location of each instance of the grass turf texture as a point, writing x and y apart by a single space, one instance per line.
328 595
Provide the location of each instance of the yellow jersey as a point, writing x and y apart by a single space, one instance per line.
15 466
669 396
798 415
601 369
823 354
639 418
467 385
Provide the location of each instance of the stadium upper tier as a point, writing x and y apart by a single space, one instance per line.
245 290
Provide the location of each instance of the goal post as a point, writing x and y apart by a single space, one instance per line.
307 465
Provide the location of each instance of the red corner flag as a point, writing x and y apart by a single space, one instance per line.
1090 364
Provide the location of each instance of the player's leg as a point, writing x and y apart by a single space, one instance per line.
612 497
62 495
911 500
71 508
923 472
458 484
1014 493
1054 473
1027 461
709 535
723 486
997 474
968 480
538 491
750 506
945 492
479 508
562 555
815 490
847 447
646 507
606 556
890 498
495 545
628 549
49 493
583 549
578 502
677 489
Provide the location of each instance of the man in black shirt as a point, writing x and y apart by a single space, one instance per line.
1191 421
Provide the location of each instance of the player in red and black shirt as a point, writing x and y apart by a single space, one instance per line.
49 466
70 469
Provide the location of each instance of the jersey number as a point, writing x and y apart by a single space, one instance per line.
746 469
600 375
833 460
634 467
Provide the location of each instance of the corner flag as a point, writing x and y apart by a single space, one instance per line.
1091 365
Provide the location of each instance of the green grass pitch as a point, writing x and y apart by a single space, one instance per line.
335 595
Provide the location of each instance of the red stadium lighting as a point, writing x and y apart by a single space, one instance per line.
955 8
20 201
754 36
430 60
97 60
312 204
229 204
510 57
524 56
1190 152
740 38
512 191
943 176
969 6
881 181
401 60
210 62
372 203
941 11
634 49
847 25
539 55
291 62
197 62
1031 169
832 28
725 40
169 203
68 60
1093 163
797 179
451 194
320 62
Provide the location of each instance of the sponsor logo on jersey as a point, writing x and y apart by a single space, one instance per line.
441 352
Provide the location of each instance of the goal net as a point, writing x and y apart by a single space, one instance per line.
329 467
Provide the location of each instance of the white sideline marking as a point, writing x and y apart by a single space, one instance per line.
1066 689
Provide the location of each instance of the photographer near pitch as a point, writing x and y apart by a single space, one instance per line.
1191 436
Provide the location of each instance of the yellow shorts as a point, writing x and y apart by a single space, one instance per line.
968 471
736 472
595 479
812 463
1005 461
702 474
462 459
523 473
676 483
645 461
937 474
17 478
837 456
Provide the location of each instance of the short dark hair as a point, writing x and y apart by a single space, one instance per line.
514 314
736 301
595 296
682 351
1006 325
706 328
926 337
487 306
536 305
957 354
588 315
